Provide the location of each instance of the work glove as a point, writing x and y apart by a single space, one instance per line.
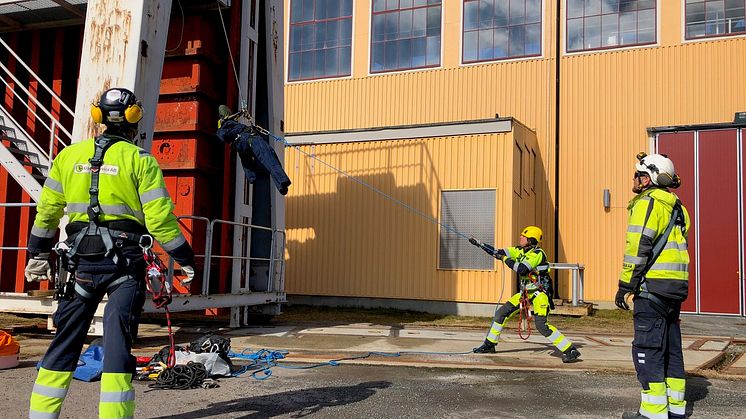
474 241
620 300
189 272
38 268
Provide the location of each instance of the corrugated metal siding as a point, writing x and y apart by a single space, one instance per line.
346 240
608 101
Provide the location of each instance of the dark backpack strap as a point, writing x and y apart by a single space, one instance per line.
677 218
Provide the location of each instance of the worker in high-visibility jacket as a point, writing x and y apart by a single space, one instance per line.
527 260
656 272
117 201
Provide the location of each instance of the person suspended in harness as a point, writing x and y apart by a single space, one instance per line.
656 271
256 153
117 204
530 262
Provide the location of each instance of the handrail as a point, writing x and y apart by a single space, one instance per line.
34 99
578 278
36 76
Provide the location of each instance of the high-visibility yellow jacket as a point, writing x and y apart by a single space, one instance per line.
526 260
131 187
649 216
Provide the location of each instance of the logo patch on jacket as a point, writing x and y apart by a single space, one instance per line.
105 169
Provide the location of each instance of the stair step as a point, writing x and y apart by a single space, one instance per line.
40 178
18 152
34 165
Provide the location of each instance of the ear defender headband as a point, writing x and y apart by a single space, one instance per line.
661 178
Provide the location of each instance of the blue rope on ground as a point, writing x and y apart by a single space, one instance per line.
263 360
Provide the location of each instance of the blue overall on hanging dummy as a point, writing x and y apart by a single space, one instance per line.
257 155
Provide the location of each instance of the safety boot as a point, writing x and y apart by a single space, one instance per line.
486 348
570 355
633 415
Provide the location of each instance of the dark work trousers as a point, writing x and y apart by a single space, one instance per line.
94 278
257 155
657 352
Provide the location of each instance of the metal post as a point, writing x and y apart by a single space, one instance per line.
575 287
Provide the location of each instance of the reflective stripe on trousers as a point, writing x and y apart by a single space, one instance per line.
676 391
117 399
558 339
654 402
49 392
494 333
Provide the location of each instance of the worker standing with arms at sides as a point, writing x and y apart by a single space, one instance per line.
116 199
656 272
530 262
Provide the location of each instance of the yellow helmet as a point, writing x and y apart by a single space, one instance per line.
532 232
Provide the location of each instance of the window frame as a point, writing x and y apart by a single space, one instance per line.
566 37
287 46
706 37
508 58
372 73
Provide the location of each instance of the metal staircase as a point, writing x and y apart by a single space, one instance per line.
26 161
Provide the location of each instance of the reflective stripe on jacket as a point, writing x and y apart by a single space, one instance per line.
533 259
649 215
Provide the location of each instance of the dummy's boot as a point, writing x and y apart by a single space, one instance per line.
486 348
633 415
570 355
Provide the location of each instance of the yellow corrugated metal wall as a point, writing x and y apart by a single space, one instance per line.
608 100
345 240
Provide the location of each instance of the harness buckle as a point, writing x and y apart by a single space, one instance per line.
146 242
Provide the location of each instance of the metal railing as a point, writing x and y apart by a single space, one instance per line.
578 274
276 256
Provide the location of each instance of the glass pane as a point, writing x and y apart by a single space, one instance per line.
332 33
345 60
419 22
331 62
419 52
319 62
533 11
517 41
628 28
575 8
715 16
346 8
392 4
390 55
501 40
517 12
392 26
420 2
645 4
332 8
501 13
610 6
403 4
320 38
433 50
609 30
485 44
295 33
296 11
306 65
646 26
533 39
405 24
592 32
294 67
376 59
695 20
379 5
433 21
471 15
378 27
470 46
627 5
308 36
405 53
575 34
307 13
592 7
345 37
320 10
486 9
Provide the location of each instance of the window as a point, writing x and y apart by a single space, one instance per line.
706 18
471 213
320 39
406 35
603 24
517 169
500 29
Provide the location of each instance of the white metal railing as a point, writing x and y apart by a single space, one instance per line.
578 273
54 125
276 256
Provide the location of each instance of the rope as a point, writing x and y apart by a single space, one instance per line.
162 297
263 360
181 377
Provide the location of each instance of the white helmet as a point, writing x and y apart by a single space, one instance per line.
659 168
